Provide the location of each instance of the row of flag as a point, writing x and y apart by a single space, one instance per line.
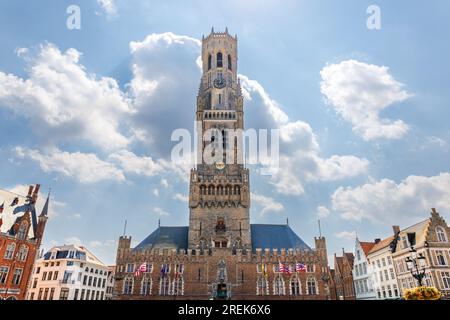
285 268
144 267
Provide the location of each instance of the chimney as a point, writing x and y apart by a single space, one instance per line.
30 190
377 240
396 229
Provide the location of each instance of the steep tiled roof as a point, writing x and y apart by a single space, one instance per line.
366 246
350 258
166 238
382 244
264 236
275 236
420 229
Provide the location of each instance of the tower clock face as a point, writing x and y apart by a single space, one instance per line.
219 82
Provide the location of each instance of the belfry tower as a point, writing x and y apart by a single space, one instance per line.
219 195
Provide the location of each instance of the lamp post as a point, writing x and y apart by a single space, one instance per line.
416 265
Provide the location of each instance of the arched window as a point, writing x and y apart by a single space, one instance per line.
311 285
178 286
295 286
23 253
164 286
230 67
209 61
146 286
10 248
440 258
219 60
22 233
278 285
441 236
262 288
128 285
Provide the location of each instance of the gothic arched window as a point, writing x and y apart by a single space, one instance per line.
22 233
219 60
146 286
23 253
311 285
128 285
230 67
296 288
178 286
262 288
441 236
278 285
9 253
209 61
164 286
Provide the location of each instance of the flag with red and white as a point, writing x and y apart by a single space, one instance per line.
287 269
280 267
300 267
142 268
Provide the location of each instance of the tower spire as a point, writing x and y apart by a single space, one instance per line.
320 229
44 212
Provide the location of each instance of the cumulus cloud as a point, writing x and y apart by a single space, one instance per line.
160 212
347 235
181 197
131 163
109 6
323 212
84 167
386 201
266 204
359 92
55 206
65 101
300 160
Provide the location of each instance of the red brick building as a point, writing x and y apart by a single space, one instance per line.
21 232
342 277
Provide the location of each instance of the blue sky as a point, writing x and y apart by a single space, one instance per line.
88 112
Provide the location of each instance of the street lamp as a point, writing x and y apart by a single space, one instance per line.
416 265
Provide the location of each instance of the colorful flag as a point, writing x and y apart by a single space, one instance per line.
300 267
142 268
287 269
2 207
179 270
164 270
280 267
15 202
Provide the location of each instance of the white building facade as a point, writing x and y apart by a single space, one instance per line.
69 272
362 272
384 276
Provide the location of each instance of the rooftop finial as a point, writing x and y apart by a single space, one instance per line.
159 223
320 229
125 228
287 221
212 29
226 29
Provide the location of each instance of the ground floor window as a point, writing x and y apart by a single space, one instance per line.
312 286
164 286
278 285
262 288
178 286
127 286
146 286
295 286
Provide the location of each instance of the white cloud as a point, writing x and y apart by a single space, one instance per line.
323 212
83 167
347 235
77 216
267 204
73 240
181 197
160 212
385 201
164 183
300 159
55 206
359 92
109 6
131 163
156 192
67 103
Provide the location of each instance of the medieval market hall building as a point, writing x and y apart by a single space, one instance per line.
221 255
21 232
